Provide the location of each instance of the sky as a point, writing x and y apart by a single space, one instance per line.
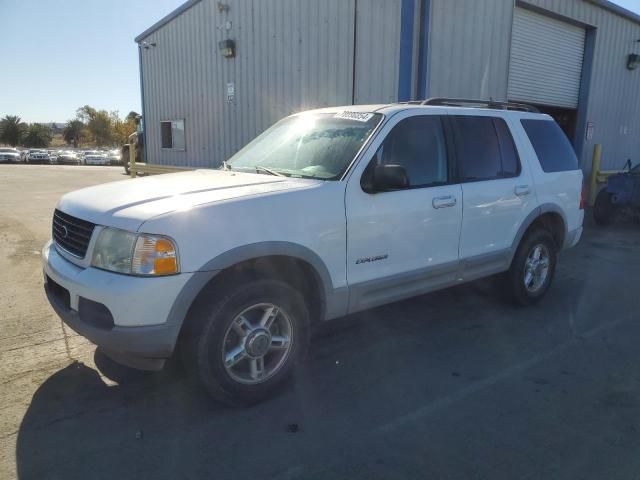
58 55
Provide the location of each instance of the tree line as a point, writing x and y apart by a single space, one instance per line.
90 127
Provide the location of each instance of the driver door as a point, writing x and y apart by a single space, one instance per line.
404 242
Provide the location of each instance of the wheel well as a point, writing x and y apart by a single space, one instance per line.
553 223
297 273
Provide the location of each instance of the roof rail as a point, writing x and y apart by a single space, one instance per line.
464 102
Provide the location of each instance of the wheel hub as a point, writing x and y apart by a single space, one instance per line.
258 343
536 268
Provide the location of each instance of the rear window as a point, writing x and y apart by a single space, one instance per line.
552 146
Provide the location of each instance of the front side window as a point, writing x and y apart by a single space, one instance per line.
417 144
309 145
172 134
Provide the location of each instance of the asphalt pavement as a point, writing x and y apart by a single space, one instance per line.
457 384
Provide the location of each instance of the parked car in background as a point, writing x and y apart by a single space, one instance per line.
38 156
53 156
9 155
115 157
68 157
95 157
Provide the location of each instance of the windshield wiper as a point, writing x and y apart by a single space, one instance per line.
260 168
226 166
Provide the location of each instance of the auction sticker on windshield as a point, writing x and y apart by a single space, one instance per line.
358 116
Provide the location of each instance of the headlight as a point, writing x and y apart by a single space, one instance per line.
138 254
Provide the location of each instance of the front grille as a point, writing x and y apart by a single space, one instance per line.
71 233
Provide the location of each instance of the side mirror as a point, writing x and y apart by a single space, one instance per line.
384 178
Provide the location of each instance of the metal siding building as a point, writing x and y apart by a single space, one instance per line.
293 55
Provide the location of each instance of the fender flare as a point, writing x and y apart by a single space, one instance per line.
532 217
209 270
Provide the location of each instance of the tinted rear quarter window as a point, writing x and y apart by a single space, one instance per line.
552 146
510 160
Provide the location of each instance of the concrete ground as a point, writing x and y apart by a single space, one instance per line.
455 384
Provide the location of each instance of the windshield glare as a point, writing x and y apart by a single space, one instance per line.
309 145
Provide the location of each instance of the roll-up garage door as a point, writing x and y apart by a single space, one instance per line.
546 60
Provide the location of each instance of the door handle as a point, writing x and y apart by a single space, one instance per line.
521 190
443 202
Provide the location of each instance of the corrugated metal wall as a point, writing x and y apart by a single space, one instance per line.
469 48
377 51
291 55
469 45
298 54
614 100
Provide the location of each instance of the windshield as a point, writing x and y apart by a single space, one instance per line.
308 145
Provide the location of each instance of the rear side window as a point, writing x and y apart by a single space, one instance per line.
552 146
484 148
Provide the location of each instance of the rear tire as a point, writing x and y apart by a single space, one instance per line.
603 208
532 268
238 359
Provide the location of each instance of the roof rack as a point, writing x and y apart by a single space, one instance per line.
464 102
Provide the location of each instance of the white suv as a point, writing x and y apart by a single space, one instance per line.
328 212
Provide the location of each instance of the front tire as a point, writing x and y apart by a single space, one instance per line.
532 268
243 345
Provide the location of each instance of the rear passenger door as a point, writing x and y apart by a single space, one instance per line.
497 190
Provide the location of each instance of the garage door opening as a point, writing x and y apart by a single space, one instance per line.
545 66
565 117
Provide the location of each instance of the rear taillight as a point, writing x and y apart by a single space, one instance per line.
583 196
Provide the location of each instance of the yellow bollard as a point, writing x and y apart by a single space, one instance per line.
595 168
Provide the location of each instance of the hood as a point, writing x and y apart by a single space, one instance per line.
129 203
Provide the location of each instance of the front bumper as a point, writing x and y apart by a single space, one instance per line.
142 326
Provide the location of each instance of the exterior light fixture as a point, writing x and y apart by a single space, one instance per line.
227 48
633 61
